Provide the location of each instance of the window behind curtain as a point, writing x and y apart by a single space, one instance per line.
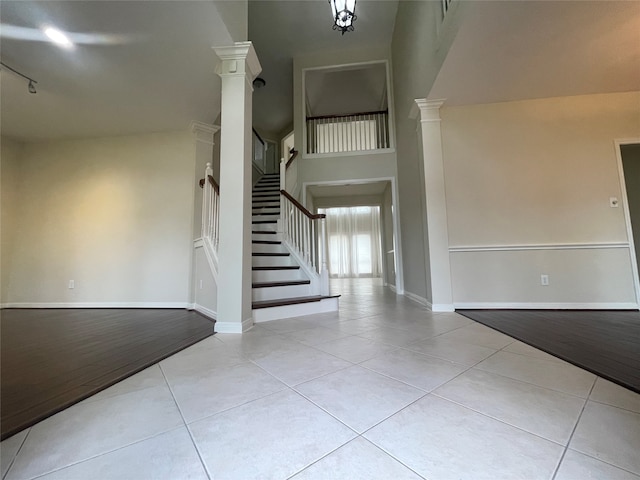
354 248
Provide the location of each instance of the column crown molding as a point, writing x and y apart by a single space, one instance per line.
203 131
239 58
426 110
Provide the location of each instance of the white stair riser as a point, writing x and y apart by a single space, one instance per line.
267 248
289 311
274 293
266 236
276 275
271 261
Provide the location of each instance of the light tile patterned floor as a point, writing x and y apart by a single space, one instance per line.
383 390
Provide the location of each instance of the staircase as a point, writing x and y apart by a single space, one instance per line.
281 285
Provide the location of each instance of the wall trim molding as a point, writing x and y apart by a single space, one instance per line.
418 299
443 307
184 305
546 306
539 246
207 312
233 327
625 206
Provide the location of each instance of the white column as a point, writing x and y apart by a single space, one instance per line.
238 67
427 112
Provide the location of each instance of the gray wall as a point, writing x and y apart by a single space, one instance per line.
631 166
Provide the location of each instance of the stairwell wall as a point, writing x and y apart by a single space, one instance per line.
421 40
113 214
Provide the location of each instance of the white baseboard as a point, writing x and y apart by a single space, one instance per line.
546 306
392 288
233 327
96 305
418 299
443 307
207 312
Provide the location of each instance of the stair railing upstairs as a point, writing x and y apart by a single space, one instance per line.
288 177
306 234
210 216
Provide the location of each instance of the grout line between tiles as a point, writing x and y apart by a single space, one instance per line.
186 426
24 440
573 431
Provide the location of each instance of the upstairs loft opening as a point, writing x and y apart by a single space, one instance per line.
347 109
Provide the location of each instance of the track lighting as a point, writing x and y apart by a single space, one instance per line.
31 87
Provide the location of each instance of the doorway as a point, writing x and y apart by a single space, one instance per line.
629 163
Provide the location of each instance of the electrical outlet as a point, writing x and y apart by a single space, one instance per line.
72 284
544 280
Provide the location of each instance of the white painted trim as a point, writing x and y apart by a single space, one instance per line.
396 214
204 132
184 305
207 312
443 307
233 327
539 246
547 306
354 153
418 299
627 217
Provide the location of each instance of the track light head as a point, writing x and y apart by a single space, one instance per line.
32 87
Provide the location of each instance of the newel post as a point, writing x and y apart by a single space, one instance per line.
324 272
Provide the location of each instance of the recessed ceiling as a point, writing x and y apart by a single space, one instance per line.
137 66
281 30
507 51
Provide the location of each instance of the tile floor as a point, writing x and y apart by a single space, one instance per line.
383 390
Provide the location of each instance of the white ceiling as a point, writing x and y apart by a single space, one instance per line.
518 50
142 66
281 30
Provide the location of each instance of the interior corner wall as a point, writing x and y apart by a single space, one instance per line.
9 184
113 214
421 40
528 187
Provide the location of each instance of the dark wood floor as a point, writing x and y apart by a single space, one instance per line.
53 358
604 342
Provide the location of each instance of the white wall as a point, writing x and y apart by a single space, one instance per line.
9 185
114 214
205 290
529 182
420 43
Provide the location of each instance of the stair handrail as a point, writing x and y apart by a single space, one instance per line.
294 153
300 230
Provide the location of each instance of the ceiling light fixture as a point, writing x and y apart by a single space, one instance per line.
259 83
31 86
57 37
344 14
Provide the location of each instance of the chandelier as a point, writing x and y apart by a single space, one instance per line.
344 14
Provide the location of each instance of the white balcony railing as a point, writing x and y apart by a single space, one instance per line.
348 133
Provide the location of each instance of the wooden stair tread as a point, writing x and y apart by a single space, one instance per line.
264 221
281 302
284 283
267 242
264 232
265 254
283 267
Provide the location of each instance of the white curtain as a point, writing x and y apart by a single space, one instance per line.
354 248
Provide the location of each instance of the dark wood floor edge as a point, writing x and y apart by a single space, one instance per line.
555 354
98 388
